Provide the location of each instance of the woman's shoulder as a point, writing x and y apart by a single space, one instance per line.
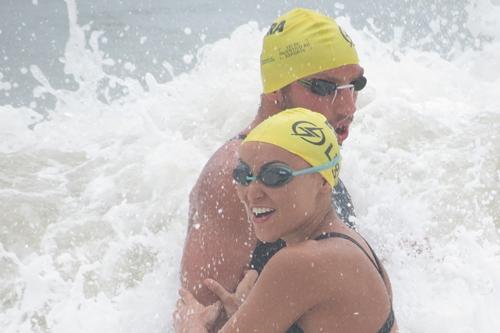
298 275
318 260
330 272
312 261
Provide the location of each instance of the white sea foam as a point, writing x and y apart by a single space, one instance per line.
94 197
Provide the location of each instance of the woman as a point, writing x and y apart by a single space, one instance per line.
327 278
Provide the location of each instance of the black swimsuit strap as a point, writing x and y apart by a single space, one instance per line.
389 322
375 262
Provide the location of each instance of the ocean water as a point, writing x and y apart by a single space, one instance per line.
101 141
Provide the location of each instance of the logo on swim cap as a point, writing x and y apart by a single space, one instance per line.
309 132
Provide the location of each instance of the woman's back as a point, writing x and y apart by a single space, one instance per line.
337 281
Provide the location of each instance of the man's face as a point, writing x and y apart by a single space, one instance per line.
338 108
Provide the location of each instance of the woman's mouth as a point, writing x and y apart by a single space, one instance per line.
261 214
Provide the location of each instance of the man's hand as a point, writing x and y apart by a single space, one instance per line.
232 302
192 317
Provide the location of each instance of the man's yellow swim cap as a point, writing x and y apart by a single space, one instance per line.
301 43
304 133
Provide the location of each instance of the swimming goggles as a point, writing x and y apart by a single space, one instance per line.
276 174
324 87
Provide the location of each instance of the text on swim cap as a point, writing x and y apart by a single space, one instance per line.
276 27
346 37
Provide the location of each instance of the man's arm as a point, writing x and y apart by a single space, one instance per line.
219 239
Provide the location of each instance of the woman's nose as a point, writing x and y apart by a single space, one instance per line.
255 190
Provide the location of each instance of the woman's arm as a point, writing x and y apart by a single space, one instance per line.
311 276
289 286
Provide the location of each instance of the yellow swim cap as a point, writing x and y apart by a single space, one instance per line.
301 43
304 133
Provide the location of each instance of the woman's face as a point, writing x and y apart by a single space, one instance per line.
278 211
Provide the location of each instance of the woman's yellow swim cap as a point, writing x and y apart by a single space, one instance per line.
301 43
304 133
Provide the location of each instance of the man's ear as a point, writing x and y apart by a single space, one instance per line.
280 98
272 102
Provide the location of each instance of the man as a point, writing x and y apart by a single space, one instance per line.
307 61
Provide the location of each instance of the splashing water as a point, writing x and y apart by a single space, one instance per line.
94 193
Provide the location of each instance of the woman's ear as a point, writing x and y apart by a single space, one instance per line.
325 186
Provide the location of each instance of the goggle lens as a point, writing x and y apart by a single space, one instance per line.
242 174
359 83
272 174
275 175
324 88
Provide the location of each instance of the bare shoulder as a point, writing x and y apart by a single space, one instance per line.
312 255
215 181
219 240
323 283
309 267
327 265
224 158
287 288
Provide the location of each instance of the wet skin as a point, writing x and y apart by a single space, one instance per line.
290 212
322 285
219 239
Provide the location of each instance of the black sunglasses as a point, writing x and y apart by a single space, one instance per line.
324 87
276 174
